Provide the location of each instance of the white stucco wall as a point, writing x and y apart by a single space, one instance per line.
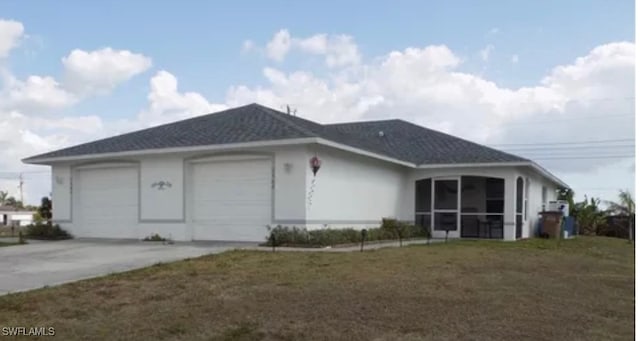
534 198
290 171
162 205
61 183
351 190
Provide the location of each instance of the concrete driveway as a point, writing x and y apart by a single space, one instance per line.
31 266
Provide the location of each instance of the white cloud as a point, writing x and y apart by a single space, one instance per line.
279 46
36 93
316 44
515 59
10 34
338 50
101 70
485 53
167 104
494 30
342 51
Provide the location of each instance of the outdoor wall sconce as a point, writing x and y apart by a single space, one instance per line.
288 167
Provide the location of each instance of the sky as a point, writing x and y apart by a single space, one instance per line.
549 80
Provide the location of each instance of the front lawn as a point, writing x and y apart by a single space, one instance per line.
583 290
11 243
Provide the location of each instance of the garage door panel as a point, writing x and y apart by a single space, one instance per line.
232 200
107 201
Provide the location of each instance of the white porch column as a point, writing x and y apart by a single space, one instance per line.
510 207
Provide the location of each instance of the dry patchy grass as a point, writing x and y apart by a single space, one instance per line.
581 290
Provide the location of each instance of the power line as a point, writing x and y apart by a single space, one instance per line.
24 172
596 188
557 143
583 100
567 148
593 117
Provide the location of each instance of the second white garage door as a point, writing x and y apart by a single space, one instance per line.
232 200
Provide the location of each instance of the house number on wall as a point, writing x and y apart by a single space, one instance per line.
161 185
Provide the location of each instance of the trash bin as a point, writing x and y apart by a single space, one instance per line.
551 224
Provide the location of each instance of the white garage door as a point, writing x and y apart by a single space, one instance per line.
232 200
106 205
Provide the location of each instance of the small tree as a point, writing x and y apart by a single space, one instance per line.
4 195
590 217
45 210
625 206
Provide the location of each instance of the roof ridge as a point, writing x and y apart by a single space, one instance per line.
278 115
362 122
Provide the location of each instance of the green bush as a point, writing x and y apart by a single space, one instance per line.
45 231
301 237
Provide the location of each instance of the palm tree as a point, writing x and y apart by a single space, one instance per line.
625 206
3 197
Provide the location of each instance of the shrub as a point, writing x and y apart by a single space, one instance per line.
154 238
295 236
399 229
46 232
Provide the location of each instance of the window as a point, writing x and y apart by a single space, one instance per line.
423 195
423 203
446 195
445 205
526 199
519 206
482 207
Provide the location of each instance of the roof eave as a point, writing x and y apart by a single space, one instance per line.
144 152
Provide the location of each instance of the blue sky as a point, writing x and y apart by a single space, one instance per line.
201 44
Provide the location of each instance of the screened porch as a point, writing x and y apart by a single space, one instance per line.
463 206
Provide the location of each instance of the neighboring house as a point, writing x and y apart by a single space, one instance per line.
10 215
227 175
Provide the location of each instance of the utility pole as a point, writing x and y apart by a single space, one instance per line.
21 185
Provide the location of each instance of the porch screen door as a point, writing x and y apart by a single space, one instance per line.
446 207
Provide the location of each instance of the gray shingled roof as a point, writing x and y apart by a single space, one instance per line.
401 140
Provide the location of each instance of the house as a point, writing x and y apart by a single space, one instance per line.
227 175
10 216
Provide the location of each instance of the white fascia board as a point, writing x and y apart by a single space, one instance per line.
143 152
549 175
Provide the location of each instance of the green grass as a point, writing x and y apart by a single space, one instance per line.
3 243
579 289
